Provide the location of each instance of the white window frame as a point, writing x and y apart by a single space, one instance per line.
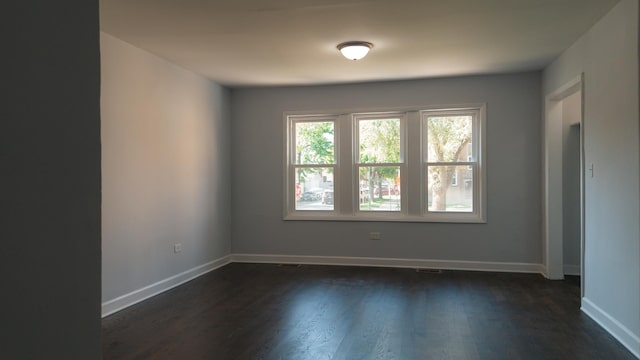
356 164
289 190
413 165
476 164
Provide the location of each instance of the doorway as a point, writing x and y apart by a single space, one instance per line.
571 145
564 182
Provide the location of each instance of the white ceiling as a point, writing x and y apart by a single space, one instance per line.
293 42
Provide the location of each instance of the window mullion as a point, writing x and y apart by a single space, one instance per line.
412 181
343 186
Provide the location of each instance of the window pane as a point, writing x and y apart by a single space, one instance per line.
379 188
450 188
314 189
379 141
449 138
314 143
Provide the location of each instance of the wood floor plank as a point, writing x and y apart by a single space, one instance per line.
264 311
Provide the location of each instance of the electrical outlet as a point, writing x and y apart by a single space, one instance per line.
374 235
177 248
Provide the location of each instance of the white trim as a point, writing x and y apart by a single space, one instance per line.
289 205
384 216
390 262
569 88
121 302
606 321
346 183
552 178
478 141
627 338
373 109
572 269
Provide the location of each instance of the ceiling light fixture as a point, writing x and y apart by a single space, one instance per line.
355 50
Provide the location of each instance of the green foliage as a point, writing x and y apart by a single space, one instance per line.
448 136
314 143
379 143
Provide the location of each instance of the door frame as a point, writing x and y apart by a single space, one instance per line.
552 198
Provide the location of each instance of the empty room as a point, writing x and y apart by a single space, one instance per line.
322 179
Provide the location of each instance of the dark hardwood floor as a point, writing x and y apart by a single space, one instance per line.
261 311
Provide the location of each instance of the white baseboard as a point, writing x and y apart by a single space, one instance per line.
114 305
630 340
572 270
390 262
121 302
610 324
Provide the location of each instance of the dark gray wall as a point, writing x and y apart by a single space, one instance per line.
512 233
50 180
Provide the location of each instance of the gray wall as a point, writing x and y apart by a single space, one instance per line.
50 176
512 233
571 113
165 169
608 56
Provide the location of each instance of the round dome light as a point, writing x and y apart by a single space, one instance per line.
355 50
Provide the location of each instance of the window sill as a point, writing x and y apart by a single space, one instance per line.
472 219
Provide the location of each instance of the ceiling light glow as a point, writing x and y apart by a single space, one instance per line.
355 50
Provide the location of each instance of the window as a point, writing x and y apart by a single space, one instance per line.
450 153
410 165
313 163
379 161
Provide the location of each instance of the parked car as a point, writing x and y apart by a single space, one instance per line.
327 197
386 190
311 195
